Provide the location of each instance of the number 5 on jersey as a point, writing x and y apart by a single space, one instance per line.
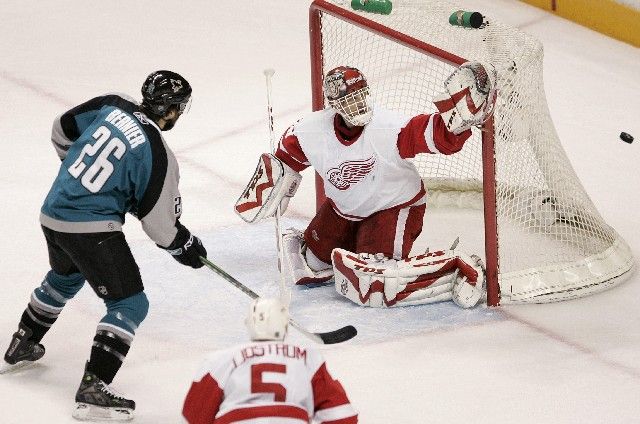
99 172
259 386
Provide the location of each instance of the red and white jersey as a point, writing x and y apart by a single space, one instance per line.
369 172
266 383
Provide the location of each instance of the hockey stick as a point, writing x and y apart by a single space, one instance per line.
285 295
330 337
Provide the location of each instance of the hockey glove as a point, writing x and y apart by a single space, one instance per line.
273 184
469 97
186 248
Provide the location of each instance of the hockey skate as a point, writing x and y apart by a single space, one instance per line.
95 400
467 296
295 250
21 351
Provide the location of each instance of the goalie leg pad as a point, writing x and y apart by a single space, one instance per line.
375 281
294 249
273 184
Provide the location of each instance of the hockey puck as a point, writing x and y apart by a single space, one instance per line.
626 137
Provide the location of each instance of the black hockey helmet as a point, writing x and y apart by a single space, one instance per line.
163 89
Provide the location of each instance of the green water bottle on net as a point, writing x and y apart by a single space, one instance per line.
382 7
466 19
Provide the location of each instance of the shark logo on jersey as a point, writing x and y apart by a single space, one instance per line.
350 172
176 85
140 116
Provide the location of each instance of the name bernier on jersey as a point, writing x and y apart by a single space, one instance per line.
129 127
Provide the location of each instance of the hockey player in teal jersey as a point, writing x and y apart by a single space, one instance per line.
114 161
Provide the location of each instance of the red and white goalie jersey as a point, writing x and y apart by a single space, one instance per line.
267 383
367 170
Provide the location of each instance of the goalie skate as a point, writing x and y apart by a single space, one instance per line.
294 250
468 295
96 401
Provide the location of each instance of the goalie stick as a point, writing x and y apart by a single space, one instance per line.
285 294
330 337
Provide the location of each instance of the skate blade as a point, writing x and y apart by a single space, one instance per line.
87 412
6 368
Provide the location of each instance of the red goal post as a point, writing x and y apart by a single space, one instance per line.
544 240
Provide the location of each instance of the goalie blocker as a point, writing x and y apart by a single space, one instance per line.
375 281
273 184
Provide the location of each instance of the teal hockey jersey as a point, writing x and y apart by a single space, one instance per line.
114 161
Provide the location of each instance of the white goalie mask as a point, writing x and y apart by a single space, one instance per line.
347 92
268 319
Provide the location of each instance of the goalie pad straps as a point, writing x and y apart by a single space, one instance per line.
469 97
273 183
369 280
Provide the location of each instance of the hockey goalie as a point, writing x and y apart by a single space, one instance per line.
361 237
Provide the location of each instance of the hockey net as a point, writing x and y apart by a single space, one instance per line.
544 240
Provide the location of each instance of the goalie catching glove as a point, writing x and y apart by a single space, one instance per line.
273 184
372 280
469 97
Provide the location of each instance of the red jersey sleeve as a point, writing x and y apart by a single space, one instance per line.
203 401
429 134
290 152
331 404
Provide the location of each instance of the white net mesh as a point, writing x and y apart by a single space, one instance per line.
553 244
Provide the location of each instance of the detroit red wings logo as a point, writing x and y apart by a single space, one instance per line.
350 172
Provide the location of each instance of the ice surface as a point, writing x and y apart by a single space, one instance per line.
576 361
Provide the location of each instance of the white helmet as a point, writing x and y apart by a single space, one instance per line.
268 319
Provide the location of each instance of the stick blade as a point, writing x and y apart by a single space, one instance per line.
338 336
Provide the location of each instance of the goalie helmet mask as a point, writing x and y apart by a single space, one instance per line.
268 319
347 92
164 89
